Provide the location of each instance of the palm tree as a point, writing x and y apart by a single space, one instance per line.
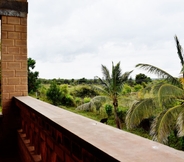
166 97
111 88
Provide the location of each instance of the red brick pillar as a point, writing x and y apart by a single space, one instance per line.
13 62
13 59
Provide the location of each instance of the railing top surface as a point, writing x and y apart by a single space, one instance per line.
119 144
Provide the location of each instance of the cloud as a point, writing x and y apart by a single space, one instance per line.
71 39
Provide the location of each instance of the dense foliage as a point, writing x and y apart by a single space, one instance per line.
33 82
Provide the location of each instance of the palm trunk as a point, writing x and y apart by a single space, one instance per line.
118 123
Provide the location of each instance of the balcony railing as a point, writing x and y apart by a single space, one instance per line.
51 134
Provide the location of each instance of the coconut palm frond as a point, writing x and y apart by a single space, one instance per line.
139 111
116 78
104 83
125 76
179 50
156 87
160 73
182 70
163 125
169 93
101 99
98 101
180 124
87 106
105 72
95 102
103 90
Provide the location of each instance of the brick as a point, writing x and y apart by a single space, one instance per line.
24 36
21 73
23 21
21 28
58 150
8 73
20 88
8 88
68 158
14 81
7 27
13 20
14 50
13 35
15 94
8 42
4 81
59 137
7 57
4 35
42 135
4 19
20 57
6 104
21 42
13 65
50 143
23 50
24 65
4 49
25 93
24 80
3 65
5 96
87 156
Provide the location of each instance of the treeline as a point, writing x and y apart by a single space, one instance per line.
139 79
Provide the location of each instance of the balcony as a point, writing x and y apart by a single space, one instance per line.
48 133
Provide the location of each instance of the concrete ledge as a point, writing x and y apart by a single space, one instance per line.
99 138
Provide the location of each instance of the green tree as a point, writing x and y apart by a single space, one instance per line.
33 82
165 102
142 78
54 93
112 86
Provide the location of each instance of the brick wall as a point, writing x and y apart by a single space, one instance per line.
13 67
14 59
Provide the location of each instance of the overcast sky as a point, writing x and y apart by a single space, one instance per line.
73 38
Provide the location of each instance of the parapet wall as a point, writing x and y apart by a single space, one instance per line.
58 135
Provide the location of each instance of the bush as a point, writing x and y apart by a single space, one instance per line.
68 100
108 109
64 89
78 101
42 93
54 93
126 89
121 112
137 87
84 91
86 99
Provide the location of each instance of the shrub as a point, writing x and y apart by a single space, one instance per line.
84 91
126 89
64 89
42 93
78 101
54 93
137 87
86 99
68 100
108 109
121 112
